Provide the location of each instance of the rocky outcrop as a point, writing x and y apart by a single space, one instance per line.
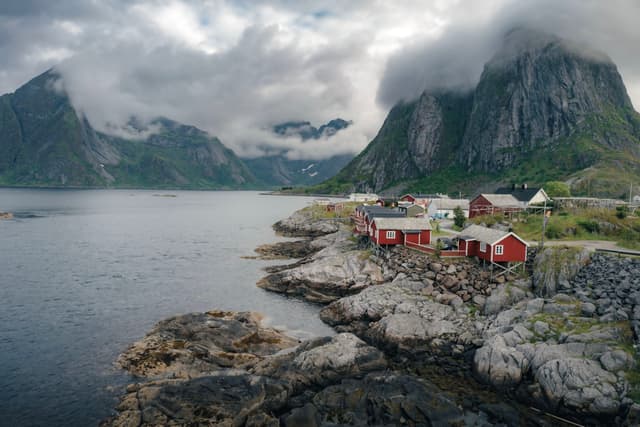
555 267
320 381
191 344
6 215
336 271
298 248
558 359
302 224
401 317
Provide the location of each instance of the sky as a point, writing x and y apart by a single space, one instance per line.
235 68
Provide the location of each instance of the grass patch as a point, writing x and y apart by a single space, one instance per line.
577 224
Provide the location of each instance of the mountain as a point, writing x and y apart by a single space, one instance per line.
44 142
279 170
544 109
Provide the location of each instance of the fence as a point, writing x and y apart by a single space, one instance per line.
431 250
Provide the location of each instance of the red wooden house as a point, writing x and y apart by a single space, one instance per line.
495 246
490 204
400 231
364 216
423 200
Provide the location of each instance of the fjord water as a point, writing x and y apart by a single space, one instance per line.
85 273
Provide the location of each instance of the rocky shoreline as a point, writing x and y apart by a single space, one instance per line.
6 215
421 341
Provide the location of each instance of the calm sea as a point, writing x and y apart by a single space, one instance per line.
83 274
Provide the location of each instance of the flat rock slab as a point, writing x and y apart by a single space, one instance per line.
191 344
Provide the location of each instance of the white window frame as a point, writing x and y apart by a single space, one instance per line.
499 249
391 234
483 247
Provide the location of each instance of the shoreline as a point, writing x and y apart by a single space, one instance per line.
413 313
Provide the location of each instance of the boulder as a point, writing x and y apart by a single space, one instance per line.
331 273
555 266
500 365
580 385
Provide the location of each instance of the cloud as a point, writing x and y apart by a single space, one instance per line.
455 60
236 68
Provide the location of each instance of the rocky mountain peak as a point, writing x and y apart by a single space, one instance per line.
543 109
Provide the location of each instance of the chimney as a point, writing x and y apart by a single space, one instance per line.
513 186
524 186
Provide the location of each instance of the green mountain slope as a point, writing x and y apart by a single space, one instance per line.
43 142
544 109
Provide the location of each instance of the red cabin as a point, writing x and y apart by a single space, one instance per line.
399 231
490 204
492 245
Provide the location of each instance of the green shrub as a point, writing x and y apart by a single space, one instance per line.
458 217
622 211
590 226
553 231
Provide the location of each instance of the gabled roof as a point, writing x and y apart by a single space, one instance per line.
382 212
405 224
502 200
451 203
521 194
425 196
486 235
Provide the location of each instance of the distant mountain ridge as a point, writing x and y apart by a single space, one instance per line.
44 142
544 109
279 170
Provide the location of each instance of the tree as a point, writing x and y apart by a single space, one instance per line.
557 189
458 217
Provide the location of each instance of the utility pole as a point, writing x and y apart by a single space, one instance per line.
544 223
630 190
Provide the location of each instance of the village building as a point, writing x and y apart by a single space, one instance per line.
423 200
507 201
411 210
492 245
400 231
491 204
365 214
387 202
321 202
525 194
363 197
444 208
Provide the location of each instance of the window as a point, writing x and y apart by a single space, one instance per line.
391 234
483 247
499 249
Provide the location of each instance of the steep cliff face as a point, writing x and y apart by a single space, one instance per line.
537 90
417 137
43 141
544 109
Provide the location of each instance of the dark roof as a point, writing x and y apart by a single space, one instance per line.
380 212
522 194
424 196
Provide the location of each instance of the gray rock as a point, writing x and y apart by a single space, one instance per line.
587 309
502 297
616 360
541 328
499 365
556 265
581 385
